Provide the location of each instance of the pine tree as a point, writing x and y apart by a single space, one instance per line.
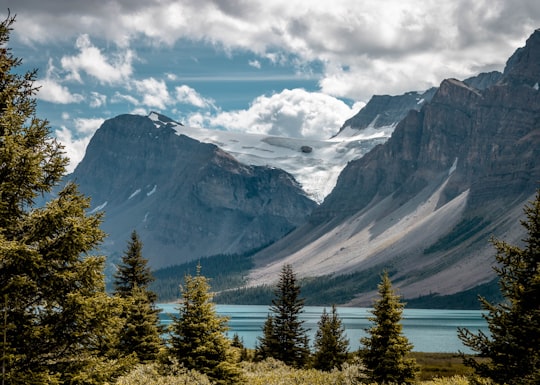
133 271
385 349
198 338
331 345
141 331
512 348
284 336
59 324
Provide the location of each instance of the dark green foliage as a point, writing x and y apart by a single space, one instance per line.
224 270
284 336
59 324
133 271
385 349
462 231
467 299
319 291
140 334
197 334
514 325
331 345
258 295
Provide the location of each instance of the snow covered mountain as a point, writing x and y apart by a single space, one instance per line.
315 164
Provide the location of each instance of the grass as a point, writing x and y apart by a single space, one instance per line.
435 365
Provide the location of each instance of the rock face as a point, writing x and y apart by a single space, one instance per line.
387 110
425 203
186 199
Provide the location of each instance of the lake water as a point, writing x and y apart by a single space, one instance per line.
429 330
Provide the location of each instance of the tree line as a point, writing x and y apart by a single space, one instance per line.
60 326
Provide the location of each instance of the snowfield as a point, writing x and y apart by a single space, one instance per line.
315 164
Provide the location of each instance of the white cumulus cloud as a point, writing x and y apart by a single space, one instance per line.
90 60
188 95
293 113
154 92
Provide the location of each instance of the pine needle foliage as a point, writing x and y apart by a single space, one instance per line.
284 336
331 344
512 346
58 325
198 338
140 334
384 350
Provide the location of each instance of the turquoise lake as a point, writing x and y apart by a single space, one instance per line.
429 330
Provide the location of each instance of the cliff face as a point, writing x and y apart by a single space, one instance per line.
425 202
186 199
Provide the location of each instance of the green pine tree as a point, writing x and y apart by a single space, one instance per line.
385 349
284 336
140 334
331 344
512 346
59 324
133 271
198 338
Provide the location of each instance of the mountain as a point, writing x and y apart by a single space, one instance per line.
384 111
424 204
186 199
315 164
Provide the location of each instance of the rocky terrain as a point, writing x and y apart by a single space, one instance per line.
425 203
186 199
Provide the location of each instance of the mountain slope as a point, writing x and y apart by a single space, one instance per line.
186 199
425 203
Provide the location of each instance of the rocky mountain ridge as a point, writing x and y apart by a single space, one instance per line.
425 203
186 199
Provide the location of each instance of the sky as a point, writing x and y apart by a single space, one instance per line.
296 68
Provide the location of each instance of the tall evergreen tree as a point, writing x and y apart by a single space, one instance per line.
133 271
512 348
59 324
141 331
331 344
284 336
384 351
197 334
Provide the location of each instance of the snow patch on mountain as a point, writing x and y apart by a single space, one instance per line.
315 164
134 193
151 192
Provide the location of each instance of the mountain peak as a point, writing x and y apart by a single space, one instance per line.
523 67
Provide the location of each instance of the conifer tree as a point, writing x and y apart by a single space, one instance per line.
197 334
331 344
512 348
133 271
59 324
141 331
384 351
284 336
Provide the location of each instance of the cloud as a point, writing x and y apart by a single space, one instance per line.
388 46
76 139
255 64
52 91
292 113
187 95
90 60
154 92
97 100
